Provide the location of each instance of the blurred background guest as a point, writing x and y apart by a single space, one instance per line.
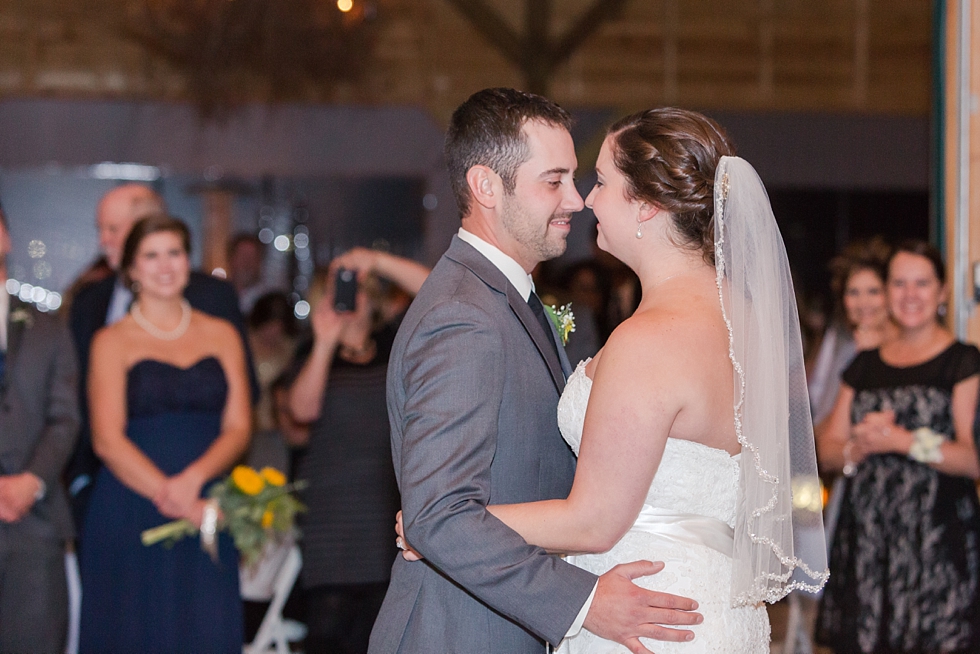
272 336
340 390
108 300
95 272
905 560
170 412
588 285
246 255
38 426
860 320
585 286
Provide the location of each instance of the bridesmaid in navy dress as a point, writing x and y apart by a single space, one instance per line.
170 413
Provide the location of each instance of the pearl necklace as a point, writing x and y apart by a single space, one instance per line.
156 332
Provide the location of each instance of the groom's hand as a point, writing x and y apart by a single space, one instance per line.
622 611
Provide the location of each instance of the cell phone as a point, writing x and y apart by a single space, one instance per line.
345 290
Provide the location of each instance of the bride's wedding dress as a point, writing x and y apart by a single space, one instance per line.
687 523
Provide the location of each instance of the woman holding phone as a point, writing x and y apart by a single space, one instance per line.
339 389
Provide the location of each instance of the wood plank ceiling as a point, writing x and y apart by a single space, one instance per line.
866 56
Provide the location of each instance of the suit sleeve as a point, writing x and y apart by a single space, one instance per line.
454 370
86 317
218 298
61 419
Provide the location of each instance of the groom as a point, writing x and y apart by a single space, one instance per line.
473 385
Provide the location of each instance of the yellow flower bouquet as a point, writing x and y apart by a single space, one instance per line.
254 506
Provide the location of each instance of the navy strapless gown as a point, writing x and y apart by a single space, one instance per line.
159 599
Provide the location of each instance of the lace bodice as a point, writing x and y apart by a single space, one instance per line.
692 478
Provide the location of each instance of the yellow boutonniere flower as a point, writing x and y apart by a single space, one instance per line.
273 477
247 480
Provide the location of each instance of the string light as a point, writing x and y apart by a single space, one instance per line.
345 5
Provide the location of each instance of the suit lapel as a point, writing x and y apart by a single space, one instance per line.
463 253
15 332
103 299
566 366
531 325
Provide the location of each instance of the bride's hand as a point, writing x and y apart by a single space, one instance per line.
407 552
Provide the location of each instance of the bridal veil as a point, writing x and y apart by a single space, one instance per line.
779 541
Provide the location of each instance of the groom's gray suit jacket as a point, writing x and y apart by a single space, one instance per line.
473 387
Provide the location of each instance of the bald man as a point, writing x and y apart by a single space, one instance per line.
104 302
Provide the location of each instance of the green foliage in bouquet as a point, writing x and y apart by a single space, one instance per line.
255 507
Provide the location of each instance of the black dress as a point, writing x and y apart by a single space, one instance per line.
905 561
348 531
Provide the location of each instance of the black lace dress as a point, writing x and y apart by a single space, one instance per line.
905 561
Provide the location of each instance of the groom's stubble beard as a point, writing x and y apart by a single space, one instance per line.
538 240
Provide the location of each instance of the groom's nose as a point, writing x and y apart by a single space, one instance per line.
572 201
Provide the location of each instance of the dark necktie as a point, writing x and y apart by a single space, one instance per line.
3 366
535 303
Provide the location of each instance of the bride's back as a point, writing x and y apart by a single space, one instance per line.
681 343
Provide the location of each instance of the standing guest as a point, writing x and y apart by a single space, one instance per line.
170 413
861 319
272 337
38 425
245 257
95 272
352 497
905 560
107 301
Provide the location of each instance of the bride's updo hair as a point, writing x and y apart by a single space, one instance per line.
668 157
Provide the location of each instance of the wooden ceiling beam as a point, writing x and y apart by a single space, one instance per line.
583 28
490 25
533 52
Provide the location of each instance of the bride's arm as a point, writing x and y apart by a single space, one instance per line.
633 404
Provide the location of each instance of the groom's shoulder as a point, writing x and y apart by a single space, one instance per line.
452 281
451 289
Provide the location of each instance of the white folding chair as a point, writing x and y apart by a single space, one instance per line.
275 632
74 601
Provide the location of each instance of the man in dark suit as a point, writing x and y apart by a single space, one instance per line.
106 301
473 384
38 426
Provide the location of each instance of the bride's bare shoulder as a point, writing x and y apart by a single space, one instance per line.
684 333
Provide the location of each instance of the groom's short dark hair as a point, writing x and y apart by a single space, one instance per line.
487 130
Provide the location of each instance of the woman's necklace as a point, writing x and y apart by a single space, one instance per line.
156 332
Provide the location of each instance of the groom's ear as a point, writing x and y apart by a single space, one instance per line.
484 185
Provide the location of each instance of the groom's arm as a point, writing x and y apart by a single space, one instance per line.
453 378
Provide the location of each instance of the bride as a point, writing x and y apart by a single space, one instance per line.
692 424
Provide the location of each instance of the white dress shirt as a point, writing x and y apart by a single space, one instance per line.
119 303
524 284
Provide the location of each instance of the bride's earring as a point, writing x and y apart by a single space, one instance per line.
639 226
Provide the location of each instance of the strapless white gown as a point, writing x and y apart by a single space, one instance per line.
686 522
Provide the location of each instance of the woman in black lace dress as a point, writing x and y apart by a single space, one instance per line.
905 561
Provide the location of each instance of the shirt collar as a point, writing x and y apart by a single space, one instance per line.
512 270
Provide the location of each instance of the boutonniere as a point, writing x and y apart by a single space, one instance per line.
21 315
563 319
